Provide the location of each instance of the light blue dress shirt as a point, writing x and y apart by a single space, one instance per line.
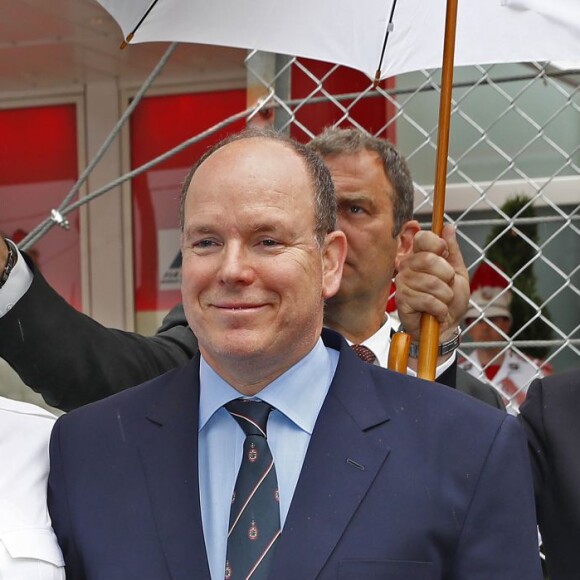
297 397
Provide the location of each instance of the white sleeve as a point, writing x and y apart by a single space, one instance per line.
16 286
28 546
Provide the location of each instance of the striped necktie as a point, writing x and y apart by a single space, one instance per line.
255 512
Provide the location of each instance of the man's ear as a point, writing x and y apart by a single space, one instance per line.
405 240
333 257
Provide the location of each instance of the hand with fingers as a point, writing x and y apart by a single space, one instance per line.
433 279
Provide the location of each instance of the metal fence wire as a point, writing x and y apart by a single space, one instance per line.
513 174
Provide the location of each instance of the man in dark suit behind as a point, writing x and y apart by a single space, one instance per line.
375 197
379 475
550 416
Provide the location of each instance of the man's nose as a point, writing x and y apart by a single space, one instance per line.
236 266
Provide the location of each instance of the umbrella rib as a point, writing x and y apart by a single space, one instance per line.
132 33
387 32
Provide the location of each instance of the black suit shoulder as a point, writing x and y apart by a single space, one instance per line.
471 385
76 359
461 380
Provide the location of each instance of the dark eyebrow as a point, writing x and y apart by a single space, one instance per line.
270 226
264 228
354 200
352 195
196 230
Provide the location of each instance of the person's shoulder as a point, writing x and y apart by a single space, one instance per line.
441 417
552 398
471 385
131 401
21 410
427 396
24 429
564 386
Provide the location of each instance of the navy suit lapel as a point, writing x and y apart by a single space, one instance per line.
346 451
170 457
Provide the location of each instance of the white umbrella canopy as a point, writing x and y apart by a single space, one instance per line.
352 32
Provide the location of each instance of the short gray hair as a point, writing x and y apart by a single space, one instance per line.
334 141
324 197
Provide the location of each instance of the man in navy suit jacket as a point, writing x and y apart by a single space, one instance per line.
380 475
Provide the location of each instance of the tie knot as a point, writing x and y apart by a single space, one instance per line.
252 415
364 353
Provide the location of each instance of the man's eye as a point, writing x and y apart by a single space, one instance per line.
355 209
202 244
269 243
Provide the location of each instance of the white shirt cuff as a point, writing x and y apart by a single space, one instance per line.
16 286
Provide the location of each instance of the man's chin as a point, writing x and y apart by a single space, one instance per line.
237 345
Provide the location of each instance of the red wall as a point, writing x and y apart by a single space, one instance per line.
38 166
370 112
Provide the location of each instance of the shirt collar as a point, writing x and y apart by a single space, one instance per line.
379 342
298 393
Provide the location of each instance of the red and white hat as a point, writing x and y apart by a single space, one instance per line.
490 293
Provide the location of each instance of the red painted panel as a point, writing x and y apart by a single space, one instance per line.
371 112
38 166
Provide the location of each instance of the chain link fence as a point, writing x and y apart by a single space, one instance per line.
513 176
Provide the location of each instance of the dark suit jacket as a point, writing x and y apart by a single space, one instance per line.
72 360
470 385
550 415
445 490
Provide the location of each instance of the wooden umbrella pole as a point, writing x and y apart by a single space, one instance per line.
429 338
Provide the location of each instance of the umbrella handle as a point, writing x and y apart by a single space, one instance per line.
428 347
399 352
429 338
